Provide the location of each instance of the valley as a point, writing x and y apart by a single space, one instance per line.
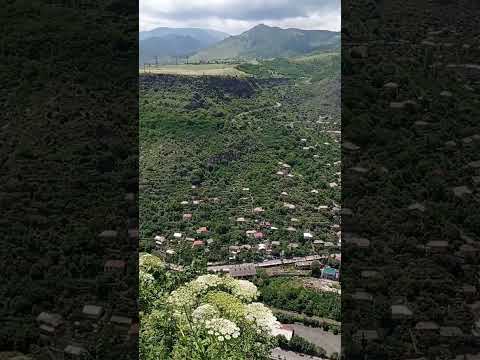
241 175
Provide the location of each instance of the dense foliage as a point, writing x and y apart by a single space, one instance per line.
210 317
285 293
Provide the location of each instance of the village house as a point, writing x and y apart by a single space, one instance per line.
50 324
74 352
92 312
291 228
241 219
108 234
202 230
262 247
427 328
284 330
258 210
330 273
234 249
307 235
289 206
121 323
243 271
437 246
303 265
114 266
450 331
258 235
187 217
250 233
177 235
275 243
400 312
198 243
361 295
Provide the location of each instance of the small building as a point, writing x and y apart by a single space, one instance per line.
108 234
250 233
262 247
275 243
450 331
202 230
437 246
114 266
241 219
400 312
74 351
285 331
293 245
258 235
50 324
198 243
258 210
177 235
187 217
291 229
93 312
427 328
329 273
122 322
307 235
242 271
304 265
362 296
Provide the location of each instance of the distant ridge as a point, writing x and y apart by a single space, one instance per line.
264 41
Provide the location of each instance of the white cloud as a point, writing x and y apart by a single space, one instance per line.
236 16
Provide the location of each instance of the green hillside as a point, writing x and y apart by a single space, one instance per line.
270 42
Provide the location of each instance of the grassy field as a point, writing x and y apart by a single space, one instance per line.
196 70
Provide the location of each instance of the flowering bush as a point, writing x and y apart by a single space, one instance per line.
210 317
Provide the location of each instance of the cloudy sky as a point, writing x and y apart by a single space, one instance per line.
236 16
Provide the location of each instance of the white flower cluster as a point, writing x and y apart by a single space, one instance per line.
149 262
145 278
262 317
209 281
222 329
244 290
204 312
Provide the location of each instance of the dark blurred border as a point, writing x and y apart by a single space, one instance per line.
410 180
69 178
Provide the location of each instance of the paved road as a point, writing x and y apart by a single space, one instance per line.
292 313
279 354
325 339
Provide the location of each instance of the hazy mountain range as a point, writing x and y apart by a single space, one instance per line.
259 42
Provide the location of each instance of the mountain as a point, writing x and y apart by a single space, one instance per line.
264 41
166 43
165 48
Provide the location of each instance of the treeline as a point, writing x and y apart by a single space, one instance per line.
286 294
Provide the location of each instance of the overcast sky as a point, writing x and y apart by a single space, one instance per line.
237 16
